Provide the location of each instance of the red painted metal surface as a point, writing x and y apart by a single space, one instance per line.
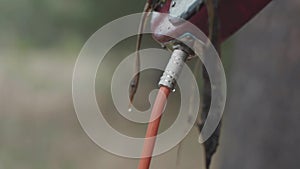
234 14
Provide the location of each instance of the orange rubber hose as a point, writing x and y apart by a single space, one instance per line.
153 125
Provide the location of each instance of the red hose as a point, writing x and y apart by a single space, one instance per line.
153 125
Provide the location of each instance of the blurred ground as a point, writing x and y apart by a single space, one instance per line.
38 125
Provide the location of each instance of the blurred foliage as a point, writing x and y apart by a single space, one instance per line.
48 23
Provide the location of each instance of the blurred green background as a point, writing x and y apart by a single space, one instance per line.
39 43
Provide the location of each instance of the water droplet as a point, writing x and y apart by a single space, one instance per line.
130 110
173 4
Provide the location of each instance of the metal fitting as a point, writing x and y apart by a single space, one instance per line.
173 68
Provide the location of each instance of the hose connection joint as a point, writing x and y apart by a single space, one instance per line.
173 69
